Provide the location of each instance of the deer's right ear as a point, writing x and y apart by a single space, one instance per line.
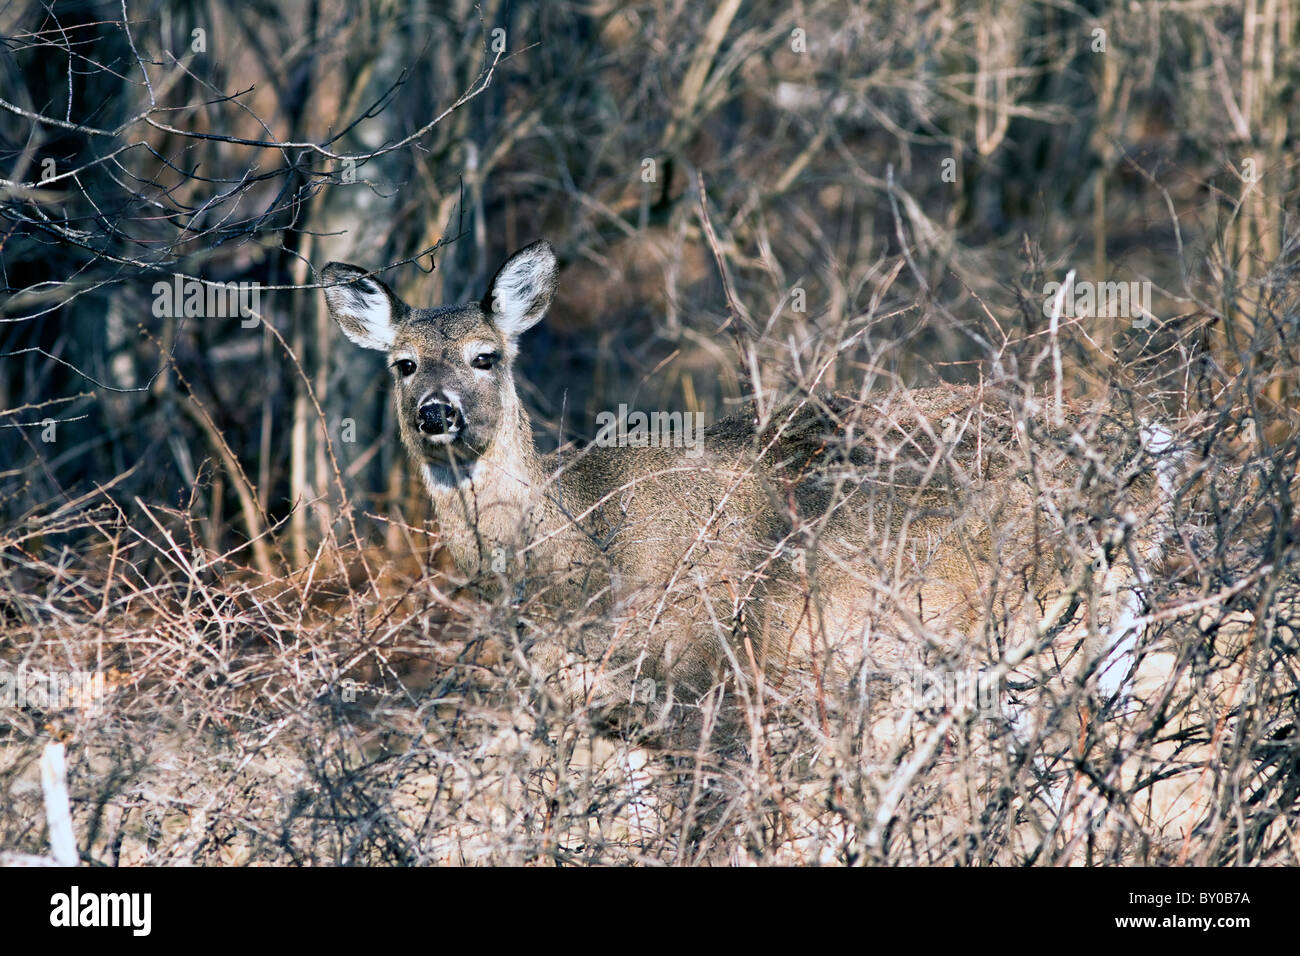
365 309
520 292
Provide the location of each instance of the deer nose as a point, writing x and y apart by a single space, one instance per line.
439 418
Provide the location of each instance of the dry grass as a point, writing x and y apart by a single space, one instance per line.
392 717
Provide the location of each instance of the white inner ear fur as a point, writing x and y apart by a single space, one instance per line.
522 290
365 313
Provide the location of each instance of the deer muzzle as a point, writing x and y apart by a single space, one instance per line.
439 419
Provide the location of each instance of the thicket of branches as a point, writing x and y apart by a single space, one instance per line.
213 514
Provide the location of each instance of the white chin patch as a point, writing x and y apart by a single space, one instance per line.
443 477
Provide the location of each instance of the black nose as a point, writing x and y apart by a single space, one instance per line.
438 418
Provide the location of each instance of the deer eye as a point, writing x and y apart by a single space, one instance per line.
484 360
404 367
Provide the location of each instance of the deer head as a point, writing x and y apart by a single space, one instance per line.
452 367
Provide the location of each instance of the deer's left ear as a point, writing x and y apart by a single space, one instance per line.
520 292
366 310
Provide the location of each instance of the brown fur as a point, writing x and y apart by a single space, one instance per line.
835 540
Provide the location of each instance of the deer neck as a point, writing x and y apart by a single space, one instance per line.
488 520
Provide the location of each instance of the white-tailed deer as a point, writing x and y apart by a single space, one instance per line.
835 543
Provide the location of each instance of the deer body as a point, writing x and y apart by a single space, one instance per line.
830 542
